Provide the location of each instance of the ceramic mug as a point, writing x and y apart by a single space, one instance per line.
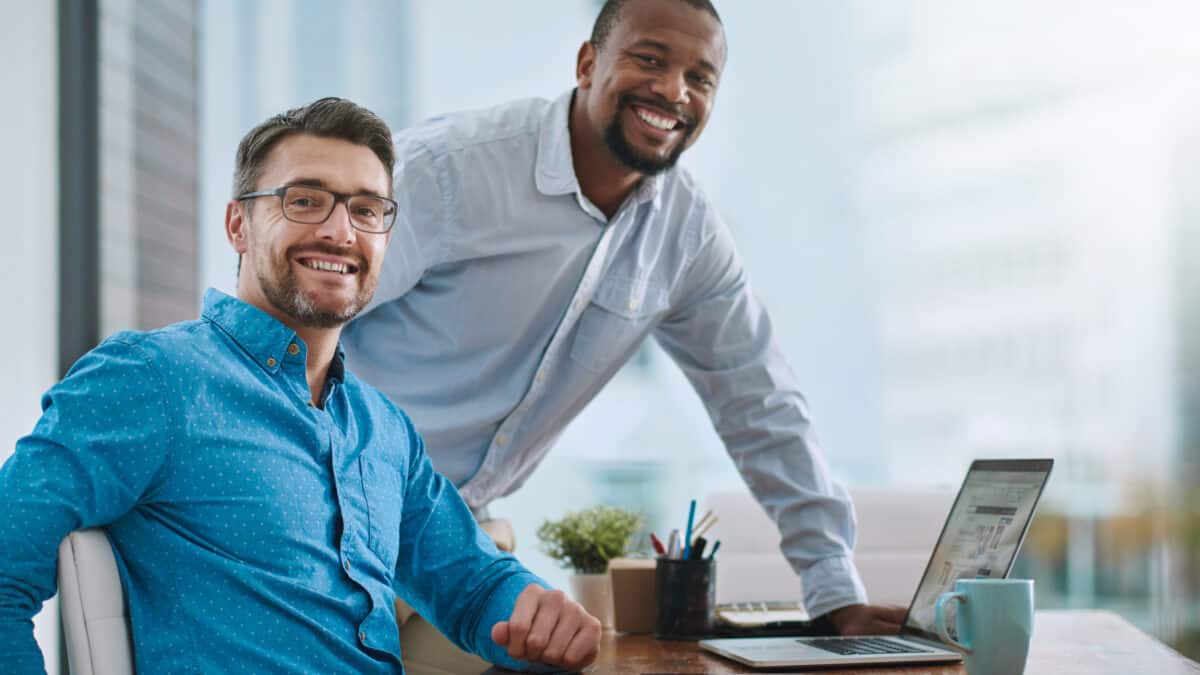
994 624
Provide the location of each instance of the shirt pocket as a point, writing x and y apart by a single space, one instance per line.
381 485
612 326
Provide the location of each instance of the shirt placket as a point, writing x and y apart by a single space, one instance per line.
476 491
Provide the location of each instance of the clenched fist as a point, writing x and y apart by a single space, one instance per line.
548 627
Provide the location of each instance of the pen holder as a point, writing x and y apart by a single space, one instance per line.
687 591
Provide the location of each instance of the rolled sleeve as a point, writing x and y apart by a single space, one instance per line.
831 584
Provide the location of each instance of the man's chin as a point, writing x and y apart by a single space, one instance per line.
643 160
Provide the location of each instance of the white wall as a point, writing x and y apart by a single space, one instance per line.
29 259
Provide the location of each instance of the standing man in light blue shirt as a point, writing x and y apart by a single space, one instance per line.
543 241
265 506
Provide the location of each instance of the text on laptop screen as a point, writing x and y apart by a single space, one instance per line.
981 536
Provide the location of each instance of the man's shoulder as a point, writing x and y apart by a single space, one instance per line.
686 204
460 131
186 346
171 342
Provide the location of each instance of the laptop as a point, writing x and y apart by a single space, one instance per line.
980 539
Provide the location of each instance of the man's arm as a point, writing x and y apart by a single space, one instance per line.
721 337
99 442
484 600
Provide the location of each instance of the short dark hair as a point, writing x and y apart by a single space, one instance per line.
610 13
328 117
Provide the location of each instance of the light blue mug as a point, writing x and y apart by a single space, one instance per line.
994 624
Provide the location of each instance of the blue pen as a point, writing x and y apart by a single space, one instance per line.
687 539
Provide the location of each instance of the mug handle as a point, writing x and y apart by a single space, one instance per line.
939 619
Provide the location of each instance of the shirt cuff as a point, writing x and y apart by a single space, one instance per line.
831 584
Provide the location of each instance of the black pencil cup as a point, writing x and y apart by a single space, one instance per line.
687 591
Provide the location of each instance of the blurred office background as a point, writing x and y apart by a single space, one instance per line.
974 224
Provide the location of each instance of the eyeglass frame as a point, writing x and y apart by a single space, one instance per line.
341 197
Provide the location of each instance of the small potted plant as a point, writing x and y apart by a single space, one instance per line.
584 541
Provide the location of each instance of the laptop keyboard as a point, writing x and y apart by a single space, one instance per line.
864 646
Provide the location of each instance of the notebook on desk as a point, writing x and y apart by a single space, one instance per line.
980 538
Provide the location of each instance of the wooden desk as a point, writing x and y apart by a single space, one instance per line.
1064 643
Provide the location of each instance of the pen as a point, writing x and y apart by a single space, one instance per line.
713 552
672 543
687 537
698 548
658 545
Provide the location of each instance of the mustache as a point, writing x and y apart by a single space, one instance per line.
661 104
328 249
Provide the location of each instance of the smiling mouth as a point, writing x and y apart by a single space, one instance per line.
328 266
657 120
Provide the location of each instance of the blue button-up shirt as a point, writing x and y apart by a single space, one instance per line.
253 531
508 300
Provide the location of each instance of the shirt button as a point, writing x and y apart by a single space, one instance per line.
362 636
346 565
271 362
293 349
632 305
501 440
541 374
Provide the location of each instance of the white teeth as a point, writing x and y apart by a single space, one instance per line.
664 123
327 266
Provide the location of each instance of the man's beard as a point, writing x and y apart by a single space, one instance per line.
283 292
647 165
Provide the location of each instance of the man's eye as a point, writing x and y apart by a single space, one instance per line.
302 202
648 60
366 212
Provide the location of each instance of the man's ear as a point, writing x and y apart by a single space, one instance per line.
584 64
235 225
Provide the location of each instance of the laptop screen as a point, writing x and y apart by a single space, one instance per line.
982 535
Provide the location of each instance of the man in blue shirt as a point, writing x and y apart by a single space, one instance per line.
541 242
264 505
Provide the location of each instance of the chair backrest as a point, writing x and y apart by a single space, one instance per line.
92 603
896 532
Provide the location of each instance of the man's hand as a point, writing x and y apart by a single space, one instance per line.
867 619
547 627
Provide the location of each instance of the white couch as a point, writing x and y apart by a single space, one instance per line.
896 532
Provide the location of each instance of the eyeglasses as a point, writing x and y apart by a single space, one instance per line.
314 205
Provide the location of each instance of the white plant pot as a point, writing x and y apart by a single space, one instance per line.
594 592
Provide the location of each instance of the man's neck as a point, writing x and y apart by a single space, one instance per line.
321 343
605 181
322 347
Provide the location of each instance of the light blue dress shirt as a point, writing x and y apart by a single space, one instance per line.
253 531
508 300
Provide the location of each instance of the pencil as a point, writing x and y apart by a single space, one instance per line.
701 531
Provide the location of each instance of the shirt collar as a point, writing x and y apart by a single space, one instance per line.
263 337
555 172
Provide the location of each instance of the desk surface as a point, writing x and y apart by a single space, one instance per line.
1064 643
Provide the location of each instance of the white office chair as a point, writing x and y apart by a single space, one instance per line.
896 532
92 603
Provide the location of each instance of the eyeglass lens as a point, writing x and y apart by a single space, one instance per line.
304 204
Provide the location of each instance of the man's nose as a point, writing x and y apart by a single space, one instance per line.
672 86
337 227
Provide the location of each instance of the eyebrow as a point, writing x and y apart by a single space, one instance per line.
647 43
317 182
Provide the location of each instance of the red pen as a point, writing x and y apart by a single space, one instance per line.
658 545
